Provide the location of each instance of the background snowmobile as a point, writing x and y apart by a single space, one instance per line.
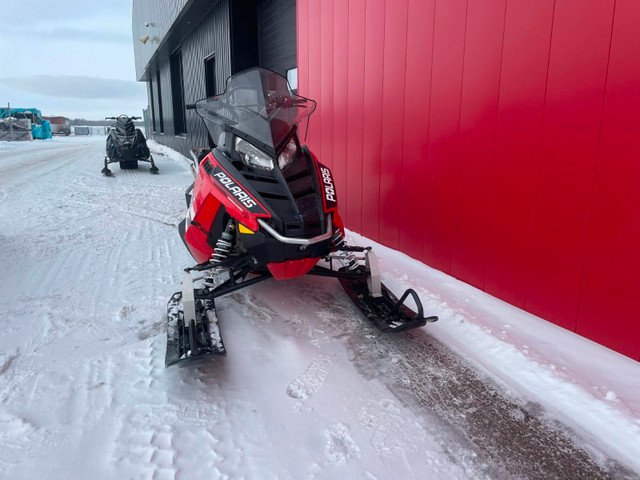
262 206
126 144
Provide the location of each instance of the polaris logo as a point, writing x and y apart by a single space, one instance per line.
235 190
329 191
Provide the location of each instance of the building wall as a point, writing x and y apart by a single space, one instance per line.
255 32
277 34
495 140
153 18
210 36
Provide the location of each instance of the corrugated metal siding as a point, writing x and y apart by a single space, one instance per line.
277 30
210 36
160 15
494 140
277 34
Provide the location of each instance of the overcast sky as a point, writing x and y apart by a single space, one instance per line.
69 57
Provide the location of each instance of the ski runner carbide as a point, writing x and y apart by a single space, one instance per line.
126 144
263 207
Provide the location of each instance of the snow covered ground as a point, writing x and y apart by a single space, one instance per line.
307 390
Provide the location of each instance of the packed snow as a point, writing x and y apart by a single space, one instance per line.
307 390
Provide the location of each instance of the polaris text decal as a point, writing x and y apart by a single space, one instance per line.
329 190
330 199
235 189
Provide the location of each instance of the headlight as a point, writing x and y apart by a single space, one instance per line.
288 155
252 156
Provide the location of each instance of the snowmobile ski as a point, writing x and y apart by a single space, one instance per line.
192 328
106 171
385 311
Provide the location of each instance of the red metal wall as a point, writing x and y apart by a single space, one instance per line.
495 140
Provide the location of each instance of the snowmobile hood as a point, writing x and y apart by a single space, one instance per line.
124 127
257 105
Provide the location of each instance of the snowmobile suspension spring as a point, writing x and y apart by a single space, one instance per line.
338 239
223 245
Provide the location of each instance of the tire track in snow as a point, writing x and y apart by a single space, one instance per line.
27 170
145 441
164 455
53 272
155 246
95 392
116 268
102 265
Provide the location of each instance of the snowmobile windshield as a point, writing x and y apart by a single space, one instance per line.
125 129
258 106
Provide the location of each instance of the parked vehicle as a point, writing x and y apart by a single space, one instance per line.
59 125
126 144
262 206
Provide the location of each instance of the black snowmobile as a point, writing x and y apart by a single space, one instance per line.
126 144
263 207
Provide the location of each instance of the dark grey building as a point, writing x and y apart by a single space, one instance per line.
186 49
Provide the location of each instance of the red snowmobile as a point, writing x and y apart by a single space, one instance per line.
262 206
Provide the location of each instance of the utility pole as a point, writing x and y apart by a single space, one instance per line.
10 121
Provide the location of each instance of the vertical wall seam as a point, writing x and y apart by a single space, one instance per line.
490 214
539 157
426 159
308 92
384 41
595 170
404 111
364 75
335 86
297 44
345 210
322 112
457 145
404 104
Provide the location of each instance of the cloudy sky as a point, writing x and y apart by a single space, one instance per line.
70 57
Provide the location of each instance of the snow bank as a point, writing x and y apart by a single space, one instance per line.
159 149
594 388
